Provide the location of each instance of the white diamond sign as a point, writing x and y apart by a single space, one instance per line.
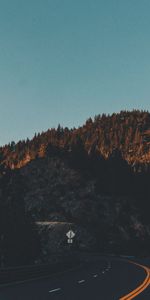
70 234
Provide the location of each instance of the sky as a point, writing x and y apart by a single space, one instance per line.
63 61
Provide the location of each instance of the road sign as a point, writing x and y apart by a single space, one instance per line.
70 234
70 241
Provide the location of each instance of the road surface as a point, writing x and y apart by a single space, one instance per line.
102 279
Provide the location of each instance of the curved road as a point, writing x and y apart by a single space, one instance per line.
102 279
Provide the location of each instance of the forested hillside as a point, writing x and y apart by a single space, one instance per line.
95 177
126 131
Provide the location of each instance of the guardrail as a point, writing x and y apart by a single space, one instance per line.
59 263
9 275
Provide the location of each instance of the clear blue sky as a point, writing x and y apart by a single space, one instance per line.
62 61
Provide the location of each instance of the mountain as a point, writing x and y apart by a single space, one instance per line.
126 131
94 179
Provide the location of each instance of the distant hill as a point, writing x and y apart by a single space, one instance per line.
126 131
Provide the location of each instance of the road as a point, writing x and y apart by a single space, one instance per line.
100 279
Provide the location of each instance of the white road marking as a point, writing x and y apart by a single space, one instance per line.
103 272
95 275
55 290
81 281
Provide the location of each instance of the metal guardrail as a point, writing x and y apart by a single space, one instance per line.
60 263
9 275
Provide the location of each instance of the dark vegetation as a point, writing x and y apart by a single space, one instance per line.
18 240
113 152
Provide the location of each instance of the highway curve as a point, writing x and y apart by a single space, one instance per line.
101 279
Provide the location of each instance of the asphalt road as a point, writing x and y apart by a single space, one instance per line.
102 279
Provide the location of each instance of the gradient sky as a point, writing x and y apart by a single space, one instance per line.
62 61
